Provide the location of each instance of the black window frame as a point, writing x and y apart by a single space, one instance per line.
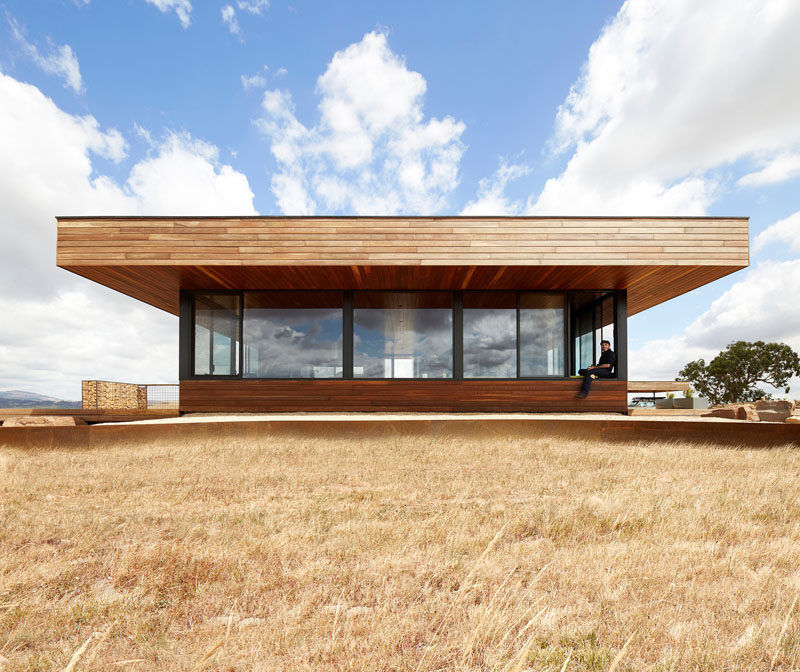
187 333
619 331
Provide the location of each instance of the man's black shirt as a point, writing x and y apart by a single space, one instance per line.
608 357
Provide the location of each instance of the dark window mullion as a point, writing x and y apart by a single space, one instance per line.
240 372
193 327
614 327
567 322
347 335
211 342
519 342
184 335
621 333
458 336
233 355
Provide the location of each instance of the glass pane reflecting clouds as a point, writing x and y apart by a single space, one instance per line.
202 348
283 339
403 335
541 333
490 342
216 334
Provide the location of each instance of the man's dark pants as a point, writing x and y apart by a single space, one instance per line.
587 377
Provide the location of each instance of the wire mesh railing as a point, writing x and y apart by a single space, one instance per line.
162 395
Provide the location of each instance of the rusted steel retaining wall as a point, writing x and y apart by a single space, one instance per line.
733 434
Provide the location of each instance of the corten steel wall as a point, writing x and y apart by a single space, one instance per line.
396 395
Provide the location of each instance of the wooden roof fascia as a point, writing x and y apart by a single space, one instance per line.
151 258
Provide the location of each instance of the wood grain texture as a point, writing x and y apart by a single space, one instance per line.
658 385
653 258
647 285
421 396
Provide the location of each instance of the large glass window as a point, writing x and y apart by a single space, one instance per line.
593 321
584 347
293 335
402 335
396 334
490 334
216 334
541 333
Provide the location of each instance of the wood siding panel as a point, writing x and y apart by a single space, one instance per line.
219 241
446 396
658 386
151 258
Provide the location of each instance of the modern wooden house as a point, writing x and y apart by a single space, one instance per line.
400 313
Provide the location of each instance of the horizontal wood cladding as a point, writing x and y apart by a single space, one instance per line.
477 396
151 258
392 240
658 386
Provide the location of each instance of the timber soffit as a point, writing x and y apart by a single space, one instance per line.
655 258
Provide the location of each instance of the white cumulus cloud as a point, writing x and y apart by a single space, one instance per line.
785 231
256 81
491 198
57 327
256 7
58 60
672 91
779 168
182 8
187 178
253 6
230 20
761 306
372 151
53 343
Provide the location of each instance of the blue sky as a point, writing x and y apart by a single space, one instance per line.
649 107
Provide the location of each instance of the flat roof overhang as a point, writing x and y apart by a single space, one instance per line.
653 258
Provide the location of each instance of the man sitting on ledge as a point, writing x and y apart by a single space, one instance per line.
603 369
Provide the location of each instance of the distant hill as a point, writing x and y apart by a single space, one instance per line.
22 399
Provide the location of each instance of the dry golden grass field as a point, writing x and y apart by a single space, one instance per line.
400 554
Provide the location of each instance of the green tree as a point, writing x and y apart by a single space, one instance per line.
732 375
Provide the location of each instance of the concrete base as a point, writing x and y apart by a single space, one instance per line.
690 402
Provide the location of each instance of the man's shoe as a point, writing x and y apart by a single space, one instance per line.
581 395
